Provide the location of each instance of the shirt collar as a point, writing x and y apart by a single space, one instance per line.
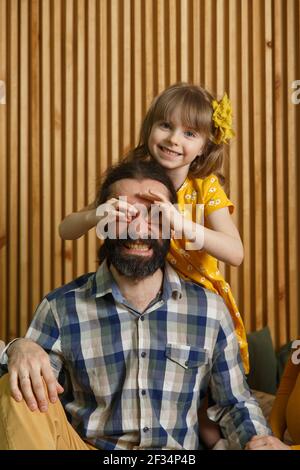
104 283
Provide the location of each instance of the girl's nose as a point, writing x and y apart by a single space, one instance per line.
174 137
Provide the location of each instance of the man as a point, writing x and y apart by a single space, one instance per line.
134 347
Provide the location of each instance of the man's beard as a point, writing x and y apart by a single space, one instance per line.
135 266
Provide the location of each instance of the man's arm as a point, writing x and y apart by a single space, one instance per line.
236 411
34 363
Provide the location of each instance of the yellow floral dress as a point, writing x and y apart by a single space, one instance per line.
207 195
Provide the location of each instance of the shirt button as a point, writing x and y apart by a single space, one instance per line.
142 318
143 392
143 354
146 429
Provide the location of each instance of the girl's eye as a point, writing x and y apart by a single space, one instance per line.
190 133
165 125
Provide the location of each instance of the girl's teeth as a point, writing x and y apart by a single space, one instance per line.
170 151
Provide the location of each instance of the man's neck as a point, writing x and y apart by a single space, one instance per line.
138 292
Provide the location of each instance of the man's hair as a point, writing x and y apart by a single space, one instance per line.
138 170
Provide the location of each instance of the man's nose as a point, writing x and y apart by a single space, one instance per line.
143 227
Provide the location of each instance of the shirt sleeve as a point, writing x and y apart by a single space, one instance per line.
214 196
236 411
45 331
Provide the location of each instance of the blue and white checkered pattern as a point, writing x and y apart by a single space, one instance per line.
136 381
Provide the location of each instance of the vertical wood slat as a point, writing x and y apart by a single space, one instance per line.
292 180
68 136
46 146
91 126
248 305
13 170
56 135
235 153
79 127
3 175
80 76
279 155
269 171
24 311
257 103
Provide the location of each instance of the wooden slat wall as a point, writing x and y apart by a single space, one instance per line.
80 75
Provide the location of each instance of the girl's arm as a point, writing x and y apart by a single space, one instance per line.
222 239
78 223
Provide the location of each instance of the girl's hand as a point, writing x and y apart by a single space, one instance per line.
266 443
170 214
112 211
180 225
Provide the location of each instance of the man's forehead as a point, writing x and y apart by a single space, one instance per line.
130 188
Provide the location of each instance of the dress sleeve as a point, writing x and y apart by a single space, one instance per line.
214 196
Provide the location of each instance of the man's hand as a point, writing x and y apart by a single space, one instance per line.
28 365
266 443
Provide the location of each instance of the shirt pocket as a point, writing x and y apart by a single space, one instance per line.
188 357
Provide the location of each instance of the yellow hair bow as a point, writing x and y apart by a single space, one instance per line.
222 117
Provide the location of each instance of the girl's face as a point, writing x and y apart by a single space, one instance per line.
173 146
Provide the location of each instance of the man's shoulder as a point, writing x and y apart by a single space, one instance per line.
213 301
80 283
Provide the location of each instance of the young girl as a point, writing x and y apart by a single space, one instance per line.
185 130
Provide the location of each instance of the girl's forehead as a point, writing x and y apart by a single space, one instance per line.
183 116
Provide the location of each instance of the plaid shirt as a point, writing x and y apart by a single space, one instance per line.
136 380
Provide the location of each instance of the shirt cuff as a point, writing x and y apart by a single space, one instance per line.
3 355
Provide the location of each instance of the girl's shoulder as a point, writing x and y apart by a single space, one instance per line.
210 192
205 185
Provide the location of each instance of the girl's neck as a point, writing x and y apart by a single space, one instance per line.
177 176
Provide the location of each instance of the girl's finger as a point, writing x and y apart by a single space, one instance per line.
159 195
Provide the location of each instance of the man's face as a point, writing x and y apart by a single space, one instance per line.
139 250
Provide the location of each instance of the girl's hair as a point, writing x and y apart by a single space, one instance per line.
134 168
195 106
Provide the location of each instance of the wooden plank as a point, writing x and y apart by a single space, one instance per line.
269 183
280 152
208 50
248 305
292 186
196 59
69 123
173 43
258 98
80 176
184 41
4 300
220 19
149 55
24 313
114 85
35 138
46 146
91 128
57 117
13 170
234 149
102 90
137 71
125 111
